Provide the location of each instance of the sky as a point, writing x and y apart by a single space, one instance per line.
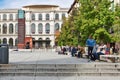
6 4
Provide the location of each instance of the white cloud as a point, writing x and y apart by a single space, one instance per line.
20 3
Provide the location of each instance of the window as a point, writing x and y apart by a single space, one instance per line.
4 41
56 26
40 17
47 16
33 28
11 17
16 28
47 38
40 28
11 28
47 28
40 43
33 16
47 42
40 38
4 28
4 17
56 16
10 42
63 16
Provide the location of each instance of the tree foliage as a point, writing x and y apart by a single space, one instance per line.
68 31
116 26
101 35
93 17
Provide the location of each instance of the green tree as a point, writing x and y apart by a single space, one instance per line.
116 26
101 35
93 15
68 31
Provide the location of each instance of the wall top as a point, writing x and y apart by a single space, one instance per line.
40 6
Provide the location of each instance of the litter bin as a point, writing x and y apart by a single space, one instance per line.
4 54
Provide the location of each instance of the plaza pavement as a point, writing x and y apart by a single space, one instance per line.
49 57
43 56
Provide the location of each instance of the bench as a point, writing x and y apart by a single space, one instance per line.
112 58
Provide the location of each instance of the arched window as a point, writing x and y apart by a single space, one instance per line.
40 38
33 16
11 17
4 17
4 41
33 39
40 17
16 28
4 28
63 15
47 17
47 42
10 42
40 43
0 28
11 28
56 16
33 28
47 28
56 26
47 38
40 28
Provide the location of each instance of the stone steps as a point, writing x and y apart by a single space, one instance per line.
60 69
63 65
59 74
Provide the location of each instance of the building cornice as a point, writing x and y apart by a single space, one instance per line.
75 1
40 6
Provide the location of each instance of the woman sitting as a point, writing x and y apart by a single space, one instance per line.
100 50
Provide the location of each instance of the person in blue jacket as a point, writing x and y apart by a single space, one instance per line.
90 43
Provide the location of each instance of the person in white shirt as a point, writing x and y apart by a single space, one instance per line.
100 51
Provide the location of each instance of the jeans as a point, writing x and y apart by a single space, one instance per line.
90 52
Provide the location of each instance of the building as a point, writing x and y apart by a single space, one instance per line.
76 5
41 24
116 1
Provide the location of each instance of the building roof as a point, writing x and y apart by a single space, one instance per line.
8 10
75 1
40 6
